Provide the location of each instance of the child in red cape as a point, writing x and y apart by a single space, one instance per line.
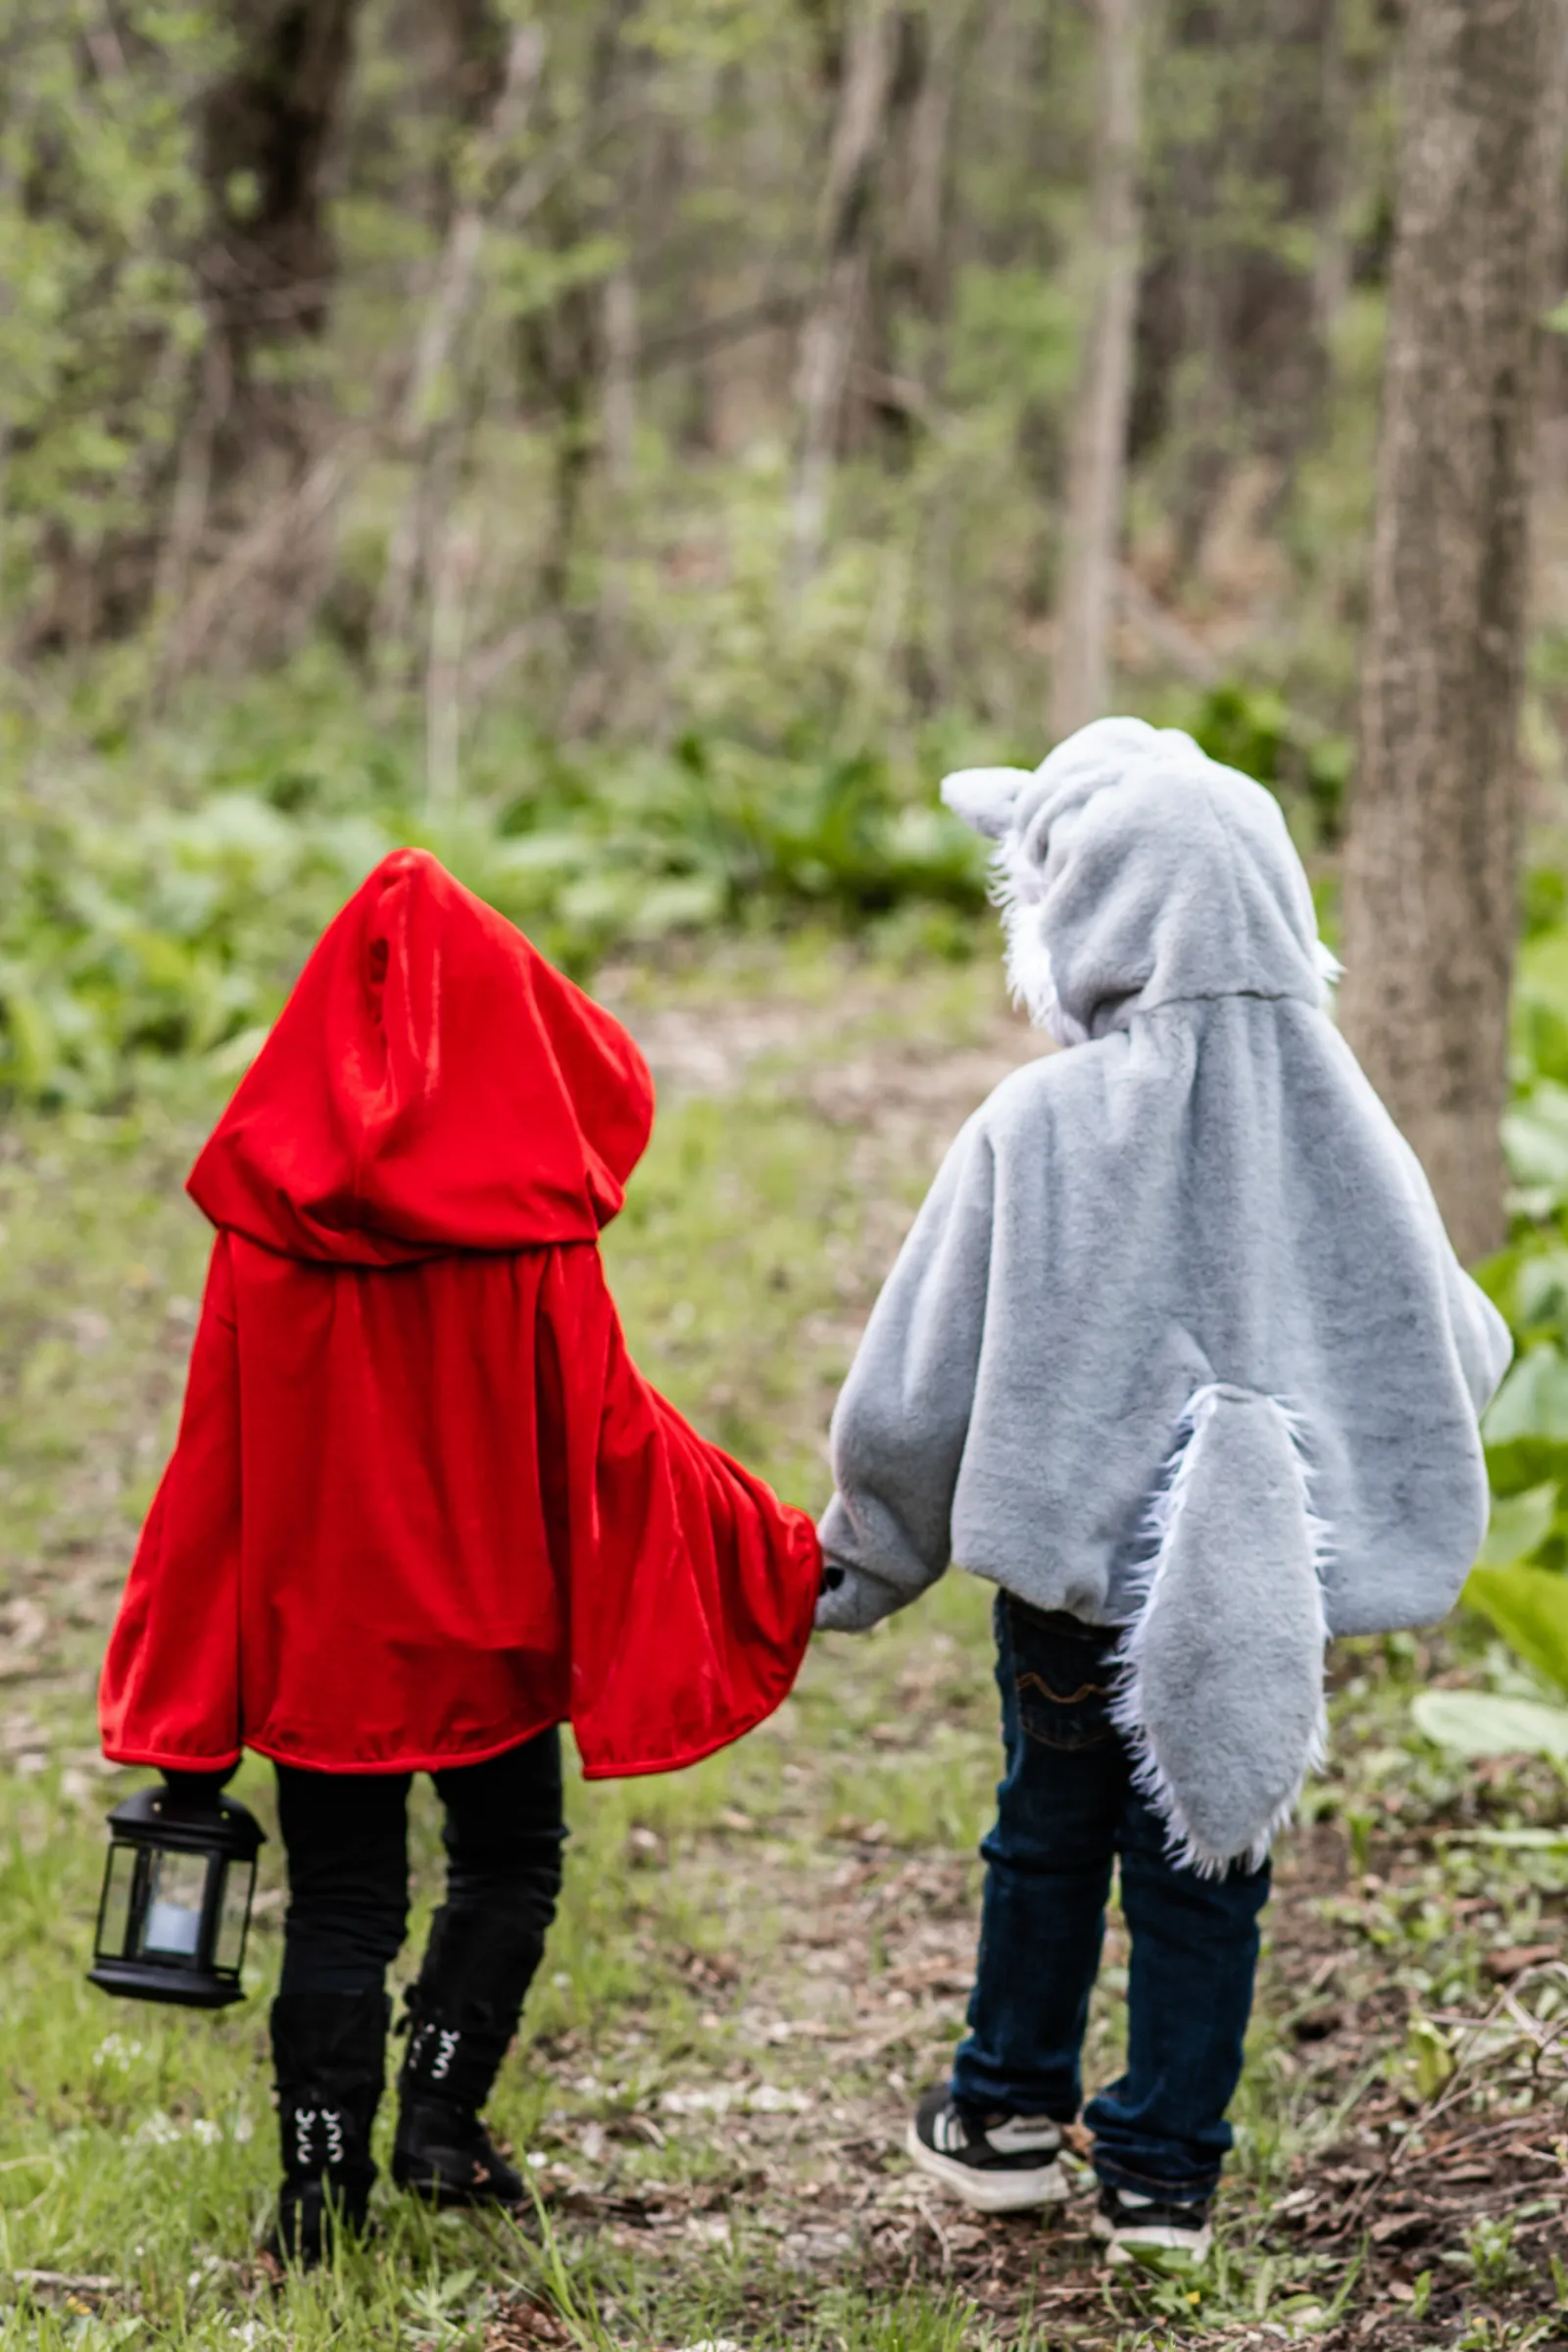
423 1510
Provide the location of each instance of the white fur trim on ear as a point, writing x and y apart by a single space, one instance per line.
985 796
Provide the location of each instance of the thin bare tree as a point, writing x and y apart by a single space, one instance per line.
429 422
1086 602
1432 858
833 319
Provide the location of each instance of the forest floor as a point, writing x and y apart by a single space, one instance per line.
761 1962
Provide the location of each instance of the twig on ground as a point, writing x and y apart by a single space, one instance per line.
73 2283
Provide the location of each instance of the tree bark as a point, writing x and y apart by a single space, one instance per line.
828 335
909 276
1331 265
1431 866
1086 602
1256 165
562 345
268 133
431 422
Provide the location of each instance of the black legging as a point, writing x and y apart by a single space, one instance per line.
346 1836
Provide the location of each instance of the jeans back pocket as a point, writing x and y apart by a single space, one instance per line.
1061 1673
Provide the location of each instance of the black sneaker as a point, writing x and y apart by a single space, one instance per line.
1152 2229
996 2163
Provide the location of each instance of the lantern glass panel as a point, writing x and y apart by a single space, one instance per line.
114 1928
176 1888
234 1915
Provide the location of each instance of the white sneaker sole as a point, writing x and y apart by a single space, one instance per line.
990 2193
1129 2245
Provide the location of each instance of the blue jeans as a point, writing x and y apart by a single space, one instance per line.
1066 1809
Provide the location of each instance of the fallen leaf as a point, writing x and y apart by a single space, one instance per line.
526 2328
1395 2224
1515 1959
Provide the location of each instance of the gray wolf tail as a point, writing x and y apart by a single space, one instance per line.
1220 1672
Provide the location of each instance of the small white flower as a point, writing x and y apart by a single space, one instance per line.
158 2130
116 2050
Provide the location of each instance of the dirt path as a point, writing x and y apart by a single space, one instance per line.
760 1963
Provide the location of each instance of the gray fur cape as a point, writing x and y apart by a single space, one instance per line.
1177 1342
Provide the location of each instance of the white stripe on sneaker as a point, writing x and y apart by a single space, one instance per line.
1135 2239
990 2192
1020 2134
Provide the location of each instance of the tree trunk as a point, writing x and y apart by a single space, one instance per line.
268 138
431 422
563 351
1097 454
1252 162
909 289
828 336
250 466
618 394
1331 264
1432 858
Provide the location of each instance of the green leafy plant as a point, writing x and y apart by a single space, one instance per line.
1520 1584
171 930
1490 2249
1255 729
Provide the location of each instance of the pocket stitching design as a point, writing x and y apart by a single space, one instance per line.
1075 1698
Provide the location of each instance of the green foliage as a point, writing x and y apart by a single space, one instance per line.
1529 1606
1255 729
1519 1585
99 207
1489 1723
127 941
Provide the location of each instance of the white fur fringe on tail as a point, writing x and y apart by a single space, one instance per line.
1219 1681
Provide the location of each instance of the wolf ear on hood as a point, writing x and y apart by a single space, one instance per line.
985 796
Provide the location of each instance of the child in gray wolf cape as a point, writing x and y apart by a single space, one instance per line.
1178 1356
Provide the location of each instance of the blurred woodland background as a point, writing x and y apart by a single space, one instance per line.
634 445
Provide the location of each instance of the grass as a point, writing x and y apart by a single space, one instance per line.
760 1961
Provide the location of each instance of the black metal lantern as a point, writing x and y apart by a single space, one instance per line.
176 1901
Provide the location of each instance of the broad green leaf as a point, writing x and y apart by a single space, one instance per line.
1542 1037
686 904
1430 2054
1529 1606
1533 1402
1540 1288
1480 1723
1522 1841
1535 1135
1519 1524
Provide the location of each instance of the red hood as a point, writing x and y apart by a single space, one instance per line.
432 1084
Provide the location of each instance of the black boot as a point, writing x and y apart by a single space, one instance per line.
329 2056
461 2016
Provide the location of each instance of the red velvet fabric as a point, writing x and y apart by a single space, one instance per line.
422 1503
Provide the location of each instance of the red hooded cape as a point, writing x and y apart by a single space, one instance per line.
422 1503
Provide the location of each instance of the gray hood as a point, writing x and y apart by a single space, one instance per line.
1178 1341
1132 871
